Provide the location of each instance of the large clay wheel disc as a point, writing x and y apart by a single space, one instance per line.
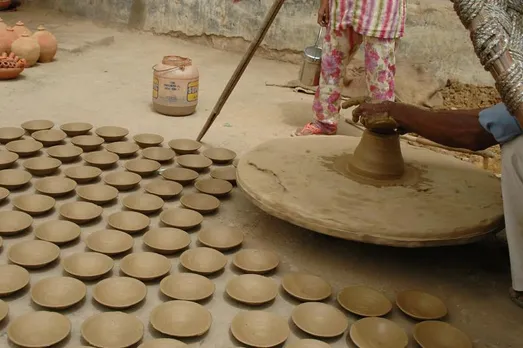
112 329
39 329
296 179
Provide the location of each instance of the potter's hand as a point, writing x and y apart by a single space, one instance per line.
324 13
377 117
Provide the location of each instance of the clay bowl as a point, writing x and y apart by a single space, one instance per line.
378 332
112 133
187 287
252 289
182 176
145 140
181 319
87 142
145 265
143 167
119 292
49 137
12 179
158 154
88 265
39 329
80 212
42 166
227 173
200 202
164 189
320 319
74 129
65 153
7 159
98 193
58 292
214 187
4 193
184 219
33 253
101 159
420 305
12 279
260 329
197 163
83 174
122 181
220 155
13 222
37 125
4 310
203 260
34 204
306 287
166 240
8 134
437 334
144 203
109 242
112 329
163 343
128 221
24 148
123 148
55 186
364 301
58 231
221 238
256 261
184 146
308 343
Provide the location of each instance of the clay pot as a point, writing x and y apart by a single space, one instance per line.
26 47
7 37
48 44
4 4
3 26
20 28
10 66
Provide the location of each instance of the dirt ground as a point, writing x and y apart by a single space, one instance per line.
104 77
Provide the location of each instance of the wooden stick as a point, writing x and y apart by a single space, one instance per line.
271 15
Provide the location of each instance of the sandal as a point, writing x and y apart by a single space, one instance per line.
516 297
315 128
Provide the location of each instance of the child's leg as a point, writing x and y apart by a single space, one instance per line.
380 67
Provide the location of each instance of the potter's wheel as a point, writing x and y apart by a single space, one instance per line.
440 200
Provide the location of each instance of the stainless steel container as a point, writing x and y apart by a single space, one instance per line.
311 67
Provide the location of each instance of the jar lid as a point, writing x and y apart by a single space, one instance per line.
176 61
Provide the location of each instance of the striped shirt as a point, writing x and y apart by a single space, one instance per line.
384 19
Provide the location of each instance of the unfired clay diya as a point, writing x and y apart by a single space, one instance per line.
83 174
112 133
260 329
145 140
65 153
4 193
88 143
166 240
184 219
4 310
119 292
420 305
181 319
7 159
97 193
220 155
195 162
8 134
24 148
13 178
226 173
164 188
88 265
308 343
183 176
37 125
187 287
200 202
306 287
128 221
320 319
33 253
39 329
163 343
145 265
109 242
112 329
42 166
364 301
58 231
49 137
55 186
438 334
34 204
123 181
12 279
80 212
159 154
221 238
203 260
144 203
184 146
378 332
13 222
252 289
214 187
256 261
123 148
143 167
58 292
75 129
101 159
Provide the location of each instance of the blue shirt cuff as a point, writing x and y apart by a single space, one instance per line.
498 121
